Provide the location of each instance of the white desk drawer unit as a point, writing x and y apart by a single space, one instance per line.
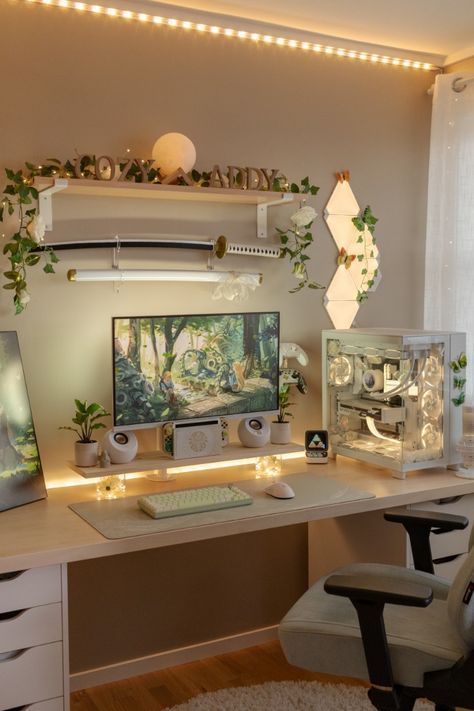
28 628
448 568
28 588
31 646
50 705
34 674
454 544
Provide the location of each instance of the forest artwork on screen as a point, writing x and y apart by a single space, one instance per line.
195 366
21 476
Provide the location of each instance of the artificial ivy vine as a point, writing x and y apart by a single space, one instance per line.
458 367
24 246
296 239
18 195
361 222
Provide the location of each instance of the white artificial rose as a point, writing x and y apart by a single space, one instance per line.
24 297
236 287
299 270
36 229
303 216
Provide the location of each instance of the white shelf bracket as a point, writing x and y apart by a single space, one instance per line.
262 221
262 213
45 203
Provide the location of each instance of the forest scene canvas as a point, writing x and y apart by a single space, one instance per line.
21 475
186 367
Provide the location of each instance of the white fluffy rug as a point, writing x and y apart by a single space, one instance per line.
287 696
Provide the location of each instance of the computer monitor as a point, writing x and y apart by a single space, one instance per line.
169 368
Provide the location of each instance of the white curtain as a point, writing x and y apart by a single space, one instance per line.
449 276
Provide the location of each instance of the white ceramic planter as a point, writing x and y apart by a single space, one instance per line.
86 454
280 432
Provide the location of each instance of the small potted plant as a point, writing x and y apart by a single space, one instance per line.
280 429
86 449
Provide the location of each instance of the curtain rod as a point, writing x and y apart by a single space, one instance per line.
460 84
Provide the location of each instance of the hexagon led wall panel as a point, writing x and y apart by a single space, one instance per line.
357 270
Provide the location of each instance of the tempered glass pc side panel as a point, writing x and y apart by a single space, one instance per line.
453 423
417 425
383 461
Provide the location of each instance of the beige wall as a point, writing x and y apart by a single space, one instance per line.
175 596
77 82
102 85
467 65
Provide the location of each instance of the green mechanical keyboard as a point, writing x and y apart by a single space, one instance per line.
187 501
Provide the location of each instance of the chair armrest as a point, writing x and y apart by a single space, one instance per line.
442 522
375 588
368 594
419 525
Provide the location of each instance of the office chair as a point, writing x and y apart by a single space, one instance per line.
418 525
385 624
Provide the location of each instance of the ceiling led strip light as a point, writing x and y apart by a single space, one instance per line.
238 34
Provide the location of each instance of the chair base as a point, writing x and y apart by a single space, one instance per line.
399 699
391 700
452 687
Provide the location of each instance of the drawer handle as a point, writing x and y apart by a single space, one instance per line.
11 656
5 616
5 577
448 500
446 559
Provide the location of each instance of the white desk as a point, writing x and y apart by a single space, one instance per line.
43 537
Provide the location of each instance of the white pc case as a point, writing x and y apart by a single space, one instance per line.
392 397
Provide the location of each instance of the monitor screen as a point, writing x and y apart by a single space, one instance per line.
191 367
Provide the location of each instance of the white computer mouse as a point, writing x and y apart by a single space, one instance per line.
280 490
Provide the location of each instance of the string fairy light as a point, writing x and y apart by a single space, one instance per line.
234 32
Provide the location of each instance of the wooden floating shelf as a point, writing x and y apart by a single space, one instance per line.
116 188
157 461
261 199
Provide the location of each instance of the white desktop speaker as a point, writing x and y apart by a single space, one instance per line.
120 446
254 431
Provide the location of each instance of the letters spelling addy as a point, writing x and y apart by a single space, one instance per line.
247 178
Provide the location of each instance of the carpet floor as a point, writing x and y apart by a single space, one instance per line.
287 696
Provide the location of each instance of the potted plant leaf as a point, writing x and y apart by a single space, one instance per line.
280 429
87 419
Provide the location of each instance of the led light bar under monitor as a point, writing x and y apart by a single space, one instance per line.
168 368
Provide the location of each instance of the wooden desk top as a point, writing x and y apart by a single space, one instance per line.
47 532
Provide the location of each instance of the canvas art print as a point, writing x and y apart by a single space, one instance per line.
21 475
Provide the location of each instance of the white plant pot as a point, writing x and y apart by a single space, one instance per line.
280 432
86 454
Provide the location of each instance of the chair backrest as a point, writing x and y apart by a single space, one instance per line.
461 599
